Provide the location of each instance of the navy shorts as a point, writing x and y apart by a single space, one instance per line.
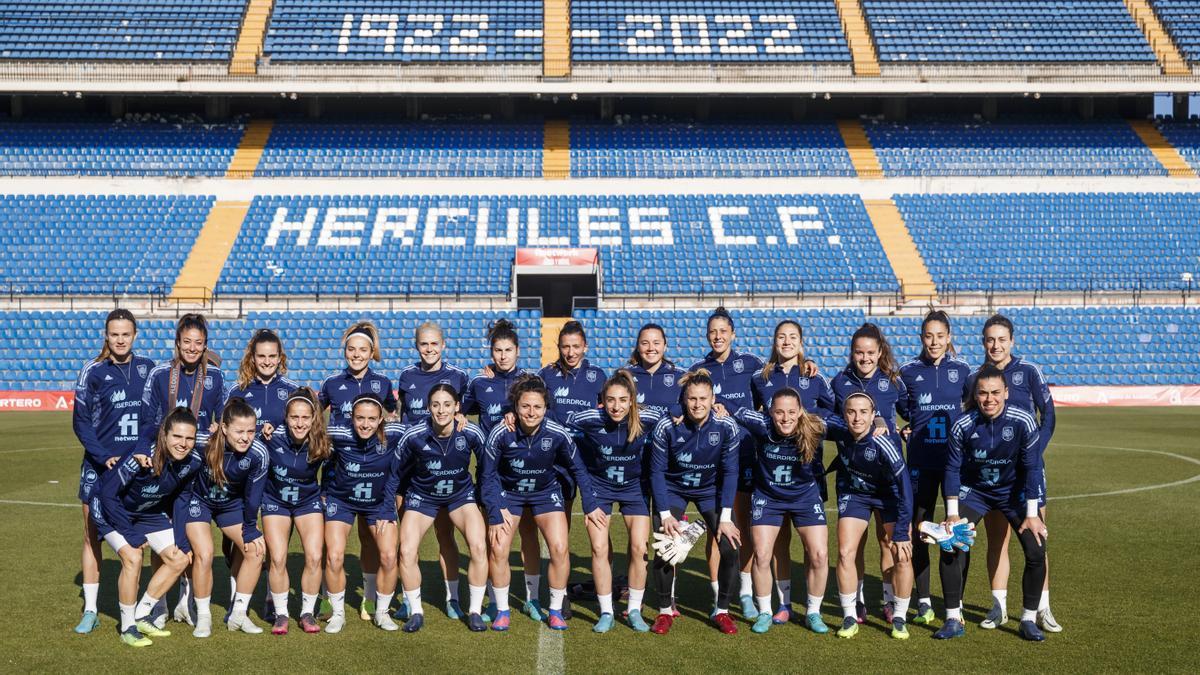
747 458
1013 507
852 505
154 526
675 500
271 506
806 511
549 500
631 498
429 505
228 514
89 483
344 512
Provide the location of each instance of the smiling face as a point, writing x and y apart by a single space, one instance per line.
617 402
860 414
181 438
998 345
531 410
990 395
358 353
720 336
785 413
442 409
935 339
366 418
651 347
571 349
119 334
239 432
429 346
266 360
698 401
504 354
192 343
864 354
787 342
299 419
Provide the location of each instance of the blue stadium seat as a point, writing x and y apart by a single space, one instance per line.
1181 18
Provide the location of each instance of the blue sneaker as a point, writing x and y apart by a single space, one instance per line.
636 622
951 629
603 624
762 624
500 623
87 623
476 624
401 613
533 609
815 623
454 610
489 614
1030 631
414 623
749 611
556 620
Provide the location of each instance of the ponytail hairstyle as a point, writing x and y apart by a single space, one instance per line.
720 314
999 320
987 371
194 321
697 377
571 327
939 316
502 329
236 408
115 315
887 361
319 448
861 394
371 399
246 371
365 329
528 383
810 430
428 325
635 359
633 420
177 416
775 359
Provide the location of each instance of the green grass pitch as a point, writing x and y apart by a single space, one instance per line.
1123 569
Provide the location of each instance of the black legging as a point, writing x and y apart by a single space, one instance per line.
925 498
727 571
953 566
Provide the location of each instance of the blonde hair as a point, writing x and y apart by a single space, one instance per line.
367 330
429 325
246 370
622 378
775 359
810 429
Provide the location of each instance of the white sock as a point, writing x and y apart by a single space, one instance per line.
337 601
382 602
126 616
185 589
500 595
1044 603
1029 614
413 598
241 603
308 603
715 590
144 606
557 595
204 606
814 604
90 591
368 587
764 603
901 607
889 592
718 610
232 588
747 585
635 598
926 601
606 606
476 593
784 588
1000 597
954 613
533 587
861 597
452 589
279 602
848 600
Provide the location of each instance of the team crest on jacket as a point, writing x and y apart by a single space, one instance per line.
208 382
869 454
460 443
281 394
381 449
803 382
89 476
738 366
1007 433
669 380
547 443
244 463
714 438
884 385
591 376
375 386
1018 378
952 376
142 371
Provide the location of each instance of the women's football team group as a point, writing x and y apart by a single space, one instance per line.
171 448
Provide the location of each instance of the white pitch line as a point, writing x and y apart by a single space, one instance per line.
13 452
25 503
1143 488
551 658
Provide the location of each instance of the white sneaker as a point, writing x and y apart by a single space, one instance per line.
182 615
203 626
335 623
239 621
384 621
996 617
1046 621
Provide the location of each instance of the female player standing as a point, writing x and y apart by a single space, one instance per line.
360 346
1029 391
520 469
362 483
435 461
108 395
935 384
994 464
695 461
129 510
872 370
613 441
656 377
228 491
789 483
261 380
872 480
296 454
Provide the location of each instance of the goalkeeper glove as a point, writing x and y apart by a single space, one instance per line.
960 535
